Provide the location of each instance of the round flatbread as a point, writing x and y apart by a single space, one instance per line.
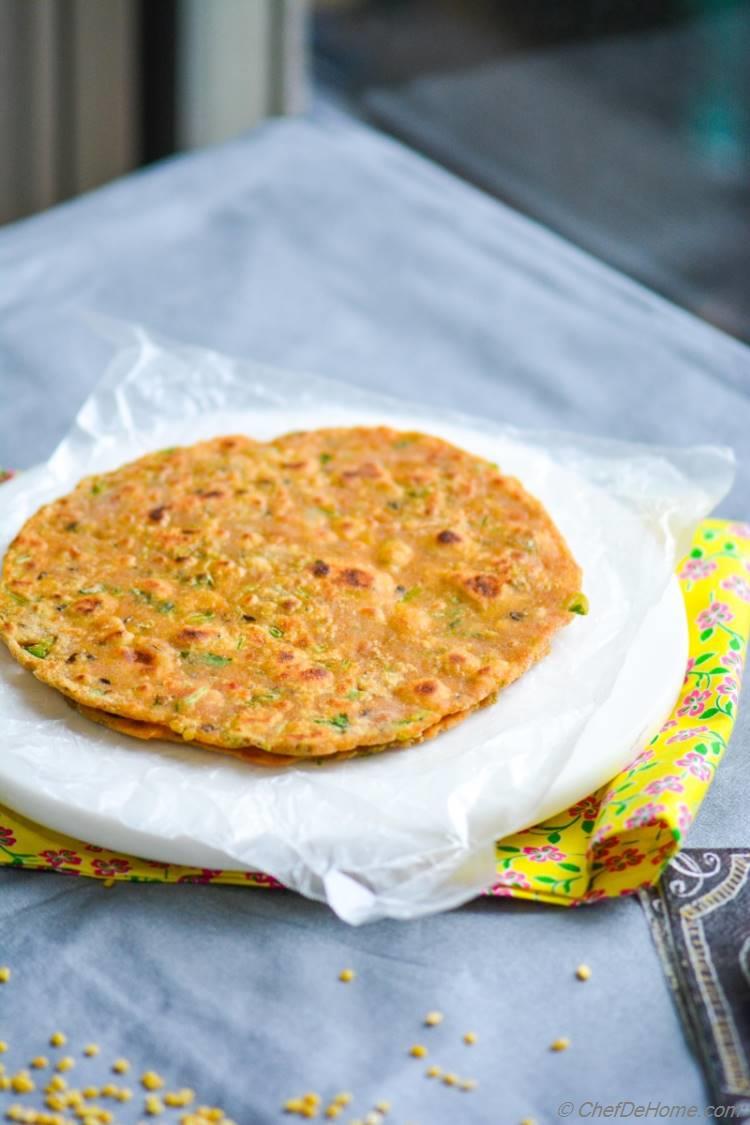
153 732
325 591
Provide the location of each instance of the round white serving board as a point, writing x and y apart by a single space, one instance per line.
110 790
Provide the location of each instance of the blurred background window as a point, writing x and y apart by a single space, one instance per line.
624 125
90 89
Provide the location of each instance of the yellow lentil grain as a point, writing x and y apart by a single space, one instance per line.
383 1107
308 1110
153 1105
560 1044
433 1072
124 1094
528 1121
109 1090
54 1101
105 1116
334 1110
22 1083
583 972
3 1046
418 1051
344 1098
58 1039
293 1105
4 1082
65 1063
450 1079
312 1098
121 1066
432 1019
347 975
91 1049
469 1084
470 1038
213 1113
151 1080
4 974
56 1083
373 1118
39 1062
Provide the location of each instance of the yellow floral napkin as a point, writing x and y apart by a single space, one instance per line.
612 843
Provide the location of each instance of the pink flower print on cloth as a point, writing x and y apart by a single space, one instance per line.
714 614
737 585
694 703
695 764
544 853
694 569
729 688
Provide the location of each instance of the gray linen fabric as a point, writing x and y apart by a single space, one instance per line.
317 244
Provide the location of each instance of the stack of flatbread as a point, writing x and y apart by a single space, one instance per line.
327 593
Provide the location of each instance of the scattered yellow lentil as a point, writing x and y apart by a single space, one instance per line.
4 974
151 1080
560 1044
334 1110
311 1098
293 1105
39 1062
213 1113
450 1079
383 1107
22 1082
3 1046
124 1095
90 1091
109 1090
346 975
56 1083
153 1105
470 1038
583 972
432 1019
308 1110
121 1066
418 1051
433 1072
58 1039
65 1063
179 1097
4 1082
469 1084
91 1049
373 1118
344 1098
528 1121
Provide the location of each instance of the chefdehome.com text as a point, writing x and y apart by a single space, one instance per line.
651 1111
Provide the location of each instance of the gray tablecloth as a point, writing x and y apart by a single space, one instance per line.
318 244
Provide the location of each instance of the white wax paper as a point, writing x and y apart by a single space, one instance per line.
399 834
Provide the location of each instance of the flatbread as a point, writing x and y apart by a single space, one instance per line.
152 732
323 592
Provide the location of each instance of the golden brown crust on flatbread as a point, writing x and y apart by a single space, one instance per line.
153 732
313 595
